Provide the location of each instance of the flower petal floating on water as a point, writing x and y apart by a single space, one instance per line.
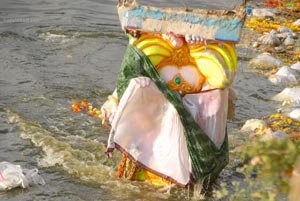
91 113
89 109
76 107
85 105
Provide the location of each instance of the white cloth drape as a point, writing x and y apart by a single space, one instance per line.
148 127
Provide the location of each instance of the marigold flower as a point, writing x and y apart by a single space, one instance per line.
76 107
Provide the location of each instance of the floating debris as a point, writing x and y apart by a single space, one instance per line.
89 109
12 176
76 107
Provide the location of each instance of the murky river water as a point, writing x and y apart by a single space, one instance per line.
55 52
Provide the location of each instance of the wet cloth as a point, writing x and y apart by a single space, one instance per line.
156 127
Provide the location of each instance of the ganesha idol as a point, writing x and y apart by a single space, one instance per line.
169 111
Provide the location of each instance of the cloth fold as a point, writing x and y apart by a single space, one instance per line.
207 158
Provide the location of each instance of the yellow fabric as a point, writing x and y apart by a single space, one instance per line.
129 170
156 180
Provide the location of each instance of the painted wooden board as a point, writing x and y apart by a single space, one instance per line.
209 24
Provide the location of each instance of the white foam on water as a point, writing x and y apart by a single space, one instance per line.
85 159
56 37
78 156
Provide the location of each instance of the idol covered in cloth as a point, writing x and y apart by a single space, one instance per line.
169 111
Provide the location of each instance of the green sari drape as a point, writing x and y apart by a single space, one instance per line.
207 160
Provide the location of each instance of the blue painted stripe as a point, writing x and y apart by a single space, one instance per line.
226 29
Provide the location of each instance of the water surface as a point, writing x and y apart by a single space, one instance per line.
55 52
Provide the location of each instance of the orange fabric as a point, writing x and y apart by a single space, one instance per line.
128 169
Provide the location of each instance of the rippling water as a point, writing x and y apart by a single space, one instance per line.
55 52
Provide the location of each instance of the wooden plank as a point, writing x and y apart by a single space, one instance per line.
209 24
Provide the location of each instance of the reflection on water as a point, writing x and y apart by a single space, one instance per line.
55 52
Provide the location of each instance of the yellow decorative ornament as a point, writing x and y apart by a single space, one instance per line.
215 63
176 62
155 47
186 76
211 66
